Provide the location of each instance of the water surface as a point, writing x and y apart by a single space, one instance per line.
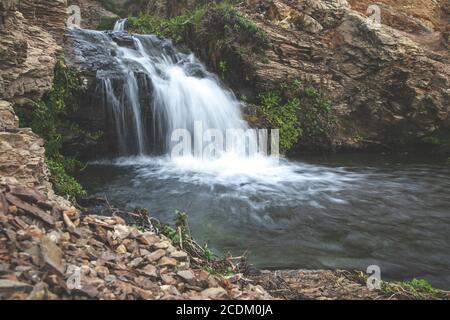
339 212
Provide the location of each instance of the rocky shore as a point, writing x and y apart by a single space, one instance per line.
49 251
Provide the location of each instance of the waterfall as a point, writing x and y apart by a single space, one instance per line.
149 89
119 26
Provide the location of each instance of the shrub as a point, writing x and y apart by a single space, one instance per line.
282 116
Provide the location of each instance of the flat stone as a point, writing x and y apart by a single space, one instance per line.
110 278
121 249
88 290
156 255
166 261
214 293
169 289
162 245
27 194
35 211
52 254
108 256
136 262
167 279
187 275
179 255
148 238
150 270
121 232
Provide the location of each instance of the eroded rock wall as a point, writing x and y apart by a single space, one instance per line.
389 85
30 37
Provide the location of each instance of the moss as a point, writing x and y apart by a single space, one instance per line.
414 289
173 28
302 113
47 120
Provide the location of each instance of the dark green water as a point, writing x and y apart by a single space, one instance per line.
338 212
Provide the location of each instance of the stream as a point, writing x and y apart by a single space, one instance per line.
344 212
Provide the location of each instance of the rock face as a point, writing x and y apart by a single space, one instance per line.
30 37
388 86
53 252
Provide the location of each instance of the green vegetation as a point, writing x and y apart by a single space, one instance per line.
414 289
177 27
47 119
300 112
173 28
316 119
283 116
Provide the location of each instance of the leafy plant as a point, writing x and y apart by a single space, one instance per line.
173 28
282 116
415 288
63 183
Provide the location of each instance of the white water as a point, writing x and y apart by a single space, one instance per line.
182 93
119 26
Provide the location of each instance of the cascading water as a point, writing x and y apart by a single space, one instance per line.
156 89
119 26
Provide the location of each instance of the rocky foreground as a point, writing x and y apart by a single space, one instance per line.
51 252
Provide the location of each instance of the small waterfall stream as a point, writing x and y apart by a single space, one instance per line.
162 89
119 26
